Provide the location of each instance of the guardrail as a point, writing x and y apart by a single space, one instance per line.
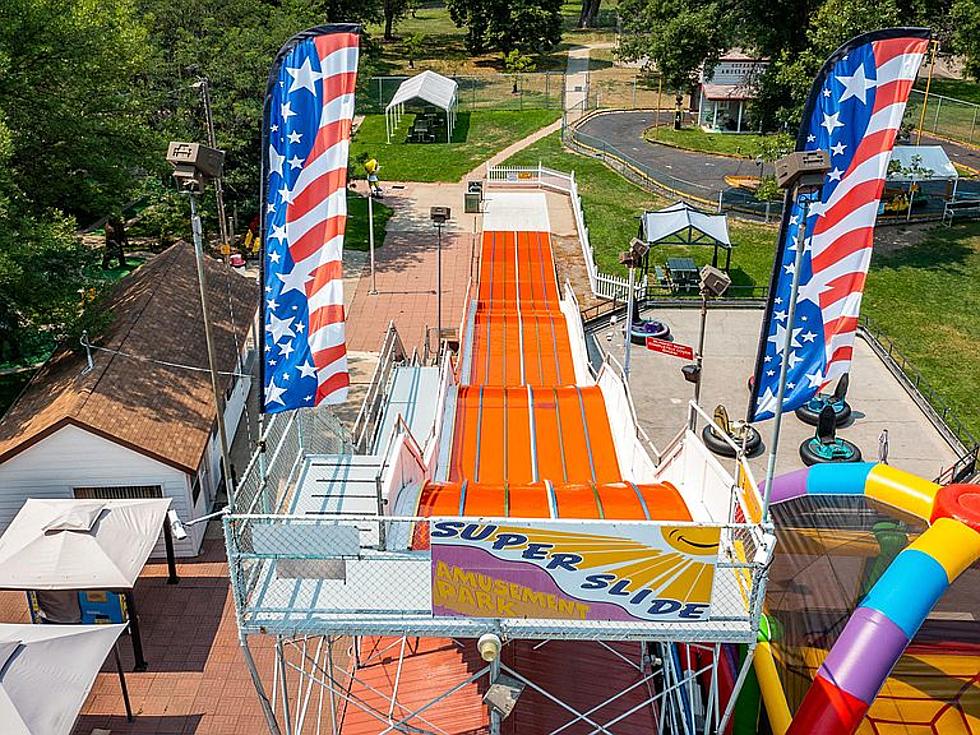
360 575
392 354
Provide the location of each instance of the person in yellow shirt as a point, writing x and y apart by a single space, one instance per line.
372 167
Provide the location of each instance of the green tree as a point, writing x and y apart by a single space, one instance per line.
964 18
589 13
517 63
414 45
677 36
72 96
394 11
530 26
786 84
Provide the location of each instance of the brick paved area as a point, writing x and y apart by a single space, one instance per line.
197 681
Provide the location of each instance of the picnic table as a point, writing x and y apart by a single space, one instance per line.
683 273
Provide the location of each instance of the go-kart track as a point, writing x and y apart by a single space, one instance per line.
513 451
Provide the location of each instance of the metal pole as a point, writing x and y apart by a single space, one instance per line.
374 283
283 686
219 403
270 716
784 365
736 690
219 192
122 682
629 328
168 542
925 99
699 358
439 293
134 631
494 715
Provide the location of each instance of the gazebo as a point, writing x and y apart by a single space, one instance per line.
682 224
430 87
58 548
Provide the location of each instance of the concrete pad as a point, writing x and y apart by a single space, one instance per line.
524 211
878 400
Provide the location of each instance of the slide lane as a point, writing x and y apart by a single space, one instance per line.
527 441
881 628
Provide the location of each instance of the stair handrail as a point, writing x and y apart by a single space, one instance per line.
392 351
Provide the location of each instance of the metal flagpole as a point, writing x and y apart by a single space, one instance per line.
218 399
784 365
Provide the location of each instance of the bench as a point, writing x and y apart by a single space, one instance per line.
961 208
661 276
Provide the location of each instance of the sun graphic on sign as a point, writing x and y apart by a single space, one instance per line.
685 574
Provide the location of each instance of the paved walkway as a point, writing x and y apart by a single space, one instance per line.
879 401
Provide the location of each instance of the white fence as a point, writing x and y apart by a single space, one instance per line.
604 285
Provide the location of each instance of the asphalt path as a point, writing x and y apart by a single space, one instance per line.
695 173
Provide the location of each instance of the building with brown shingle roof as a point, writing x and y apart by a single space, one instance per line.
135 425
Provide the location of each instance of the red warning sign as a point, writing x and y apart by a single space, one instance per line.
674 349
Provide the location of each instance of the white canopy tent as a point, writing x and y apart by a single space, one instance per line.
47 671
85 545
437 90
930 158
682 224
80 544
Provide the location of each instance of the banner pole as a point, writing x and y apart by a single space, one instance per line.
784 365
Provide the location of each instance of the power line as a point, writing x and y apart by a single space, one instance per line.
180 366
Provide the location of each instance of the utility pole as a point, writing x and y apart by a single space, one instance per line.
203 85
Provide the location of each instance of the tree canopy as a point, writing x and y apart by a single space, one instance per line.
528 26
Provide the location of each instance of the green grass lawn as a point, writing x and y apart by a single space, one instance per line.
961 89
926 298
477 137
356 237
745 145
613 205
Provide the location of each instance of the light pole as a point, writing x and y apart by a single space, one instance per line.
714 282
203 85
803 172
439 216
195 165
632 259
374 283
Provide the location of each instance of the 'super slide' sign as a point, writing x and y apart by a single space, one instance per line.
587 571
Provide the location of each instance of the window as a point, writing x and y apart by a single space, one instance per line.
196 490
119 492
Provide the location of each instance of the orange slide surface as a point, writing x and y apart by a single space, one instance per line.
527 440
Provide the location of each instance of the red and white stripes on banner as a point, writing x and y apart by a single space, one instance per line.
844 232
316 217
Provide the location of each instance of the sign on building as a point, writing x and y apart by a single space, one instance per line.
586 571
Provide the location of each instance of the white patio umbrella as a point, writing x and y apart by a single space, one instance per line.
46 672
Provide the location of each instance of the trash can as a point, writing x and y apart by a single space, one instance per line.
473 198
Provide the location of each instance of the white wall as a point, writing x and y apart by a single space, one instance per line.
234 408
74 457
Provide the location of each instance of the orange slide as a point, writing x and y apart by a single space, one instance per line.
527 441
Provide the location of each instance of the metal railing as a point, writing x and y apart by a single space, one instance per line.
364 575
929 400
392 354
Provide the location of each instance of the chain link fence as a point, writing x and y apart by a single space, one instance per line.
945 117
532 90
371 575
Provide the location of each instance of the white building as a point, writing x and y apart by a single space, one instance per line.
131 426
726 91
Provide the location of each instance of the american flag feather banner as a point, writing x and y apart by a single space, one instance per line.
854 112
309 108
